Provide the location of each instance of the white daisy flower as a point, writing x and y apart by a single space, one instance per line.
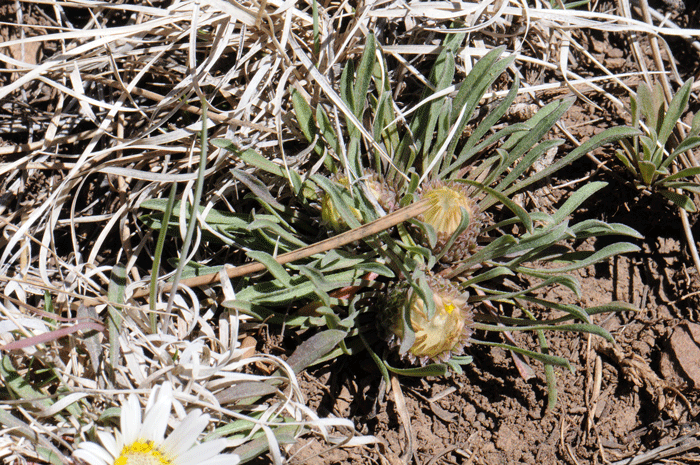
144 443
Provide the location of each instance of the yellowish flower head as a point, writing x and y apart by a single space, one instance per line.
446 333
384 194
446 201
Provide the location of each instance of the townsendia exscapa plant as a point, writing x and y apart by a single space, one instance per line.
416 295
651 156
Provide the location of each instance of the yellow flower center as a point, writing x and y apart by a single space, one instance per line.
142 453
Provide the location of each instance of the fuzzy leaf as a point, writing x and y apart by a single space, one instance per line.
647 170
607 136
612 307
687 144
675 111
434 369
548 359
686 173
364 76
314 348
272 266
584 259
305 118
683 201
576 199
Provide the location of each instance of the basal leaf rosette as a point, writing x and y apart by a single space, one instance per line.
447 333
446 200
384 194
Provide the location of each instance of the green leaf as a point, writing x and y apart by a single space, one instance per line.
373 267
574 327
378 361
687 144
471 98
384 127
597 228
609 135
612 307
487 276
272 266
576 199
651 105
434 369
495 249
305 118
346 90
683 185
683 201
274 293
364 76
115 294
259 445
257 187
548 359
317 38
261 313
686 173
647 170
534 154
695 125
519 211
320 285
314 348
20 387
625 161
340 198
675 111
584 259
568 281
441 76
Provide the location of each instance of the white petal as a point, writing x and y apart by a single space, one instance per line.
202 452
120 441
96 451
186 433
157 416
164 391
131 419
88 457
109 443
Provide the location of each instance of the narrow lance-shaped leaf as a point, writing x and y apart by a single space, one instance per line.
115 294
675 111
549 359
604 253
683 201
364 76
576 199
609 135
314 348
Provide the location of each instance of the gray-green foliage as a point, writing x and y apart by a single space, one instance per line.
651 156
329 290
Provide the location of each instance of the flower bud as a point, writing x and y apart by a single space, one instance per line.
384 195
446 199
